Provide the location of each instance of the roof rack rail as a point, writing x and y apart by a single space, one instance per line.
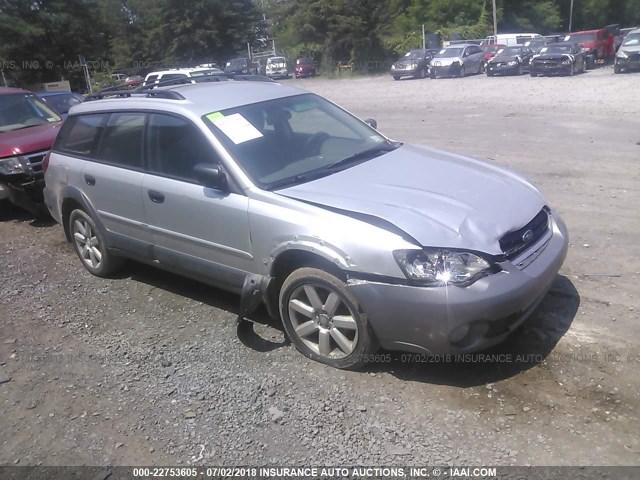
167 94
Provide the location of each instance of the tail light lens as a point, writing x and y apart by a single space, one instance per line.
45 162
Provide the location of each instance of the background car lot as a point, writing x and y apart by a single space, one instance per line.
149 367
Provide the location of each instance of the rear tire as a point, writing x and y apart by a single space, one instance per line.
90 246
323 319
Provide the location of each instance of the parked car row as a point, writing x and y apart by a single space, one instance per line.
523 53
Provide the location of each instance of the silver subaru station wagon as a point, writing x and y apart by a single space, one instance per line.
355 241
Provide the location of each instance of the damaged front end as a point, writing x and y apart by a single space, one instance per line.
22 182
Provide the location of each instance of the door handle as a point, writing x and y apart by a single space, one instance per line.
91 181
156 197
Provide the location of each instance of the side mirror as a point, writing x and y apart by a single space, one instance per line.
372 123
210 175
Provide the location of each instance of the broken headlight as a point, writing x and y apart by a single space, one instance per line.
439 267
11 166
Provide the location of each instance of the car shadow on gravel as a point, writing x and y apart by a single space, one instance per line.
11 213
259 332
525 348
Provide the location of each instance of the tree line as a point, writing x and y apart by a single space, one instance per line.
41 40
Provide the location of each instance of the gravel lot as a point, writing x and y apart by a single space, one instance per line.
149 368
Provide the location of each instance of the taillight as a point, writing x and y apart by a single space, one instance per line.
45 162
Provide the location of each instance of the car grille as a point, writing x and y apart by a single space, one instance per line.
34 161
549 63
515 242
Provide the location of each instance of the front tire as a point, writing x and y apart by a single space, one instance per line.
323 320
90 246
396 77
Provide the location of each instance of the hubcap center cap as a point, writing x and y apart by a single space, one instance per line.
324 320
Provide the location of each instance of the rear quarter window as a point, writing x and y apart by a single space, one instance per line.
79 134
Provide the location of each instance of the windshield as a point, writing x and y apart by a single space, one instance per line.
450 52
23 111
413 56
556 49
510 52
62 103
237 62
631 40
581 37
277 62
294 139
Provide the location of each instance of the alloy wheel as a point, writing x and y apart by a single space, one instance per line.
87 243
323 321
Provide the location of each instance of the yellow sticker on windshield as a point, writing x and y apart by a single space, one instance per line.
215 116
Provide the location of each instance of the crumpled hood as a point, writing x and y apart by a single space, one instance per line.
438 198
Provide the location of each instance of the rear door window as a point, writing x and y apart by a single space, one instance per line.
79 134
121 143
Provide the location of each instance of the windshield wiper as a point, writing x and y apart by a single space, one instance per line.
296 179
364 155
332 167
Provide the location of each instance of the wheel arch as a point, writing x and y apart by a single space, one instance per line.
290 260
73 199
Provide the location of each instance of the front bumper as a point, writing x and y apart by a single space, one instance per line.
421 319
25 193
502 69
551 69
277 73
628 63
445 70
404 72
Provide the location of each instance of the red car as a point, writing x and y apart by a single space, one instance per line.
598 45
134 81
491 50
28 128
305 67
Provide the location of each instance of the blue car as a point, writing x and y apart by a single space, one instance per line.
61 101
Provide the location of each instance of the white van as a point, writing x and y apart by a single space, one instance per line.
179 74
510 39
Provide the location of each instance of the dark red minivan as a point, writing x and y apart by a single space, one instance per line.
305 67
28 128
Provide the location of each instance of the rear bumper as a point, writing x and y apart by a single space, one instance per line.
422 320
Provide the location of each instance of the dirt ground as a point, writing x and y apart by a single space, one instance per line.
148 368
